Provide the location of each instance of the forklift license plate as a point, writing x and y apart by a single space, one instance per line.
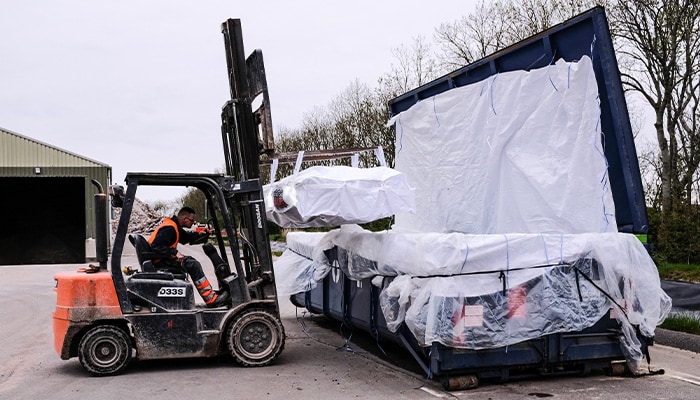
171 292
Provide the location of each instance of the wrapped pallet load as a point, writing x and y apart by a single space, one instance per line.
332 196
524 209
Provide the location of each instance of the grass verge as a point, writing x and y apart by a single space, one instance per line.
683 322
679 272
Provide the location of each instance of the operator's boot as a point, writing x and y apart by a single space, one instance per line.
211 298
222 299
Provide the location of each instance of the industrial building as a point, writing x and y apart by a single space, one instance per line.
46 202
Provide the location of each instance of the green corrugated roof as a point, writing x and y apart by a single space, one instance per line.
20 151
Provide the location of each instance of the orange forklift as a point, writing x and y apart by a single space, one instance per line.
106 317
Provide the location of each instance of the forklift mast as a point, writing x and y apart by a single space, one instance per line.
237 195
246 134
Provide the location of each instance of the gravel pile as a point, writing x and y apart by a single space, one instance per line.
143 218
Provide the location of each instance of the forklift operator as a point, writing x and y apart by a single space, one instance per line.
164 241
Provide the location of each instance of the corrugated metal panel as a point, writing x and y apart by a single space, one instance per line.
101 174
20 151
20 156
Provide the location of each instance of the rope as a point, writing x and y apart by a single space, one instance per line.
435 112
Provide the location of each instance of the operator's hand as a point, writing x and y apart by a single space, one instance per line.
180 257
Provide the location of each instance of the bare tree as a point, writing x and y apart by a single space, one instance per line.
360 116
414 66
474 36
689 123
528 17
355 118
658 47
650 169
659 44
499 23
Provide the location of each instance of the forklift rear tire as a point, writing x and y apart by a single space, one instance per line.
105 350
255 338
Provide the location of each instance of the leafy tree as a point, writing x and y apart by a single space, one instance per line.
195 199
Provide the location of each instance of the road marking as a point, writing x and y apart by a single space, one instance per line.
435 393
686 378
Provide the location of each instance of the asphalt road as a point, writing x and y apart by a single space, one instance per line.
309 367
317 363
686 299
685 295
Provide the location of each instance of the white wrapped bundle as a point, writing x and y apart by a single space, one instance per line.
518 152
334 196
303 264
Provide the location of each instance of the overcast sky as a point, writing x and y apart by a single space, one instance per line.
133 83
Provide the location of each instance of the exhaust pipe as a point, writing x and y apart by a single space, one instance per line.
100 225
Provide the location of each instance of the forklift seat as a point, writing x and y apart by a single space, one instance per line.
145 256
143 253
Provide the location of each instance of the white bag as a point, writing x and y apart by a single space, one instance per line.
518 152
332 196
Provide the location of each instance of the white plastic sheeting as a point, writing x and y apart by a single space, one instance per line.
333 196
490 291
514 235
303 264
518 152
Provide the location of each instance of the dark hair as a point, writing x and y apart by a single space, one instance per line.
186 210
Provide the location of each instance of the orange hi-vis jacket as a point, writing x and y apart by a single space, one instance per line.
166 222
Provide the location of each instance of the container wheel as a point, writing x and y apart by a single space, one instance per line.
618 369
461 382
255 338
105 350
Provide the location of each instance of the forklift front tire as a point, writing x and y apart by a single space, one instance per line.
255 338
105 350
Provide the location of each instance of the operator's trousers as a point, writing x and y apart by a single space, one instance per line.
190 265
194 270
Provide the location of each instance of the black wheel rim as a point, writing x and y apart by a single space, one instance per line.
257 339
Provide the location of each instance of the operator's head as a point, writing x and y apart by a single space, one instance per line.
185 217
